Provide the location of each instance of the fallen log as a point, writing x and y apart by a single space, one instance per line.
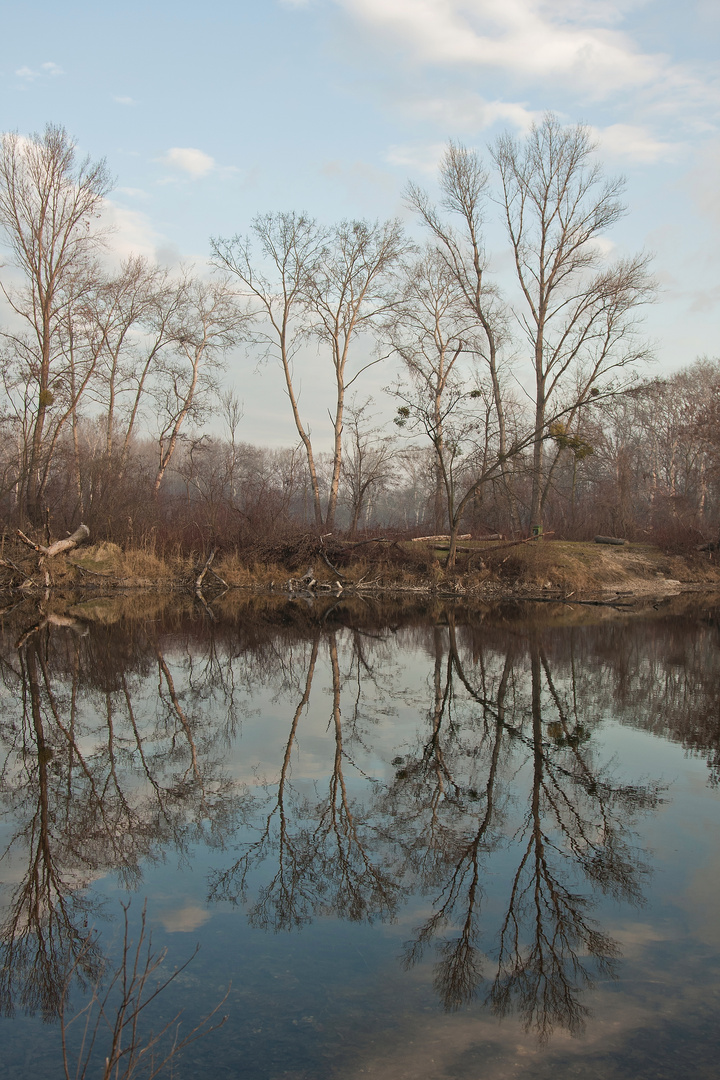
459 548
432 539
619 541
80 535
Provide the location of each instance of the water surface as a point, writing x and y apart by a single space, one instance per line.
411 841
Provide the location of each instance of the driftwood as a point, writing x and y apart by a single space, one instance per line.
80 535
205 567
619 541
431 539
525 540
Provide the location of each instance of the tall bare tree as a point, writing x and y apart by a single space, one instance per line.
464 189
432 332
577 313
132 312
48 204
351 290
274 264
333 285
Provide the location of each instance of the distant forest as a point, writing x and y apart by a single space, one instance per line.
536 409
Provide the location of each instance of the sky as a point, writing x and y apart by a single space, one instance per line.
210 114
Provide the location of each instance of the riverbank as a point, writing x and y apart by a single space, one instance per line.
546 569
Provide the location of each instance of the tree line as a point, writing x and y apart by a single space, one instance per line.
531 409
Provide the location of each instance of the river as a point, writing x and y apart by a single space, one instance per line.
423 839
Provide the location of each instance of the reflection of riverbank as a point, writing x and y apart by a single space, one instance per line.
272 612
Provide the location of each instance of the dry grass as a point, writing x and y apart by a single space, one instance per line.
240 574
133 564
550 564
591 567
493 568
581 566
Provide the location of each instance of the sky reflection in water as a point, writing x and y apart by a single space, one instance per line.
419 841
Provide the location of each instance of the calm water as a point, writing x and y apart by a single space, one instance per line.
427 842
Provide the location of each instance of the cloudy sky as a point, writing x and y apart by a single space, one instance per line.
210 114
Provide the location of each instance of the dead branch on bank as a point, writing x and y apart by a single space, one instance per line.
441 537
81 534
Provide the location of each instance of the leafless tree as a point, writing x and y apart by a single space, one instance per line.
350 291
208 322
332 285
274 280
368 462
577 314
434 334
48 205
132 314
464 187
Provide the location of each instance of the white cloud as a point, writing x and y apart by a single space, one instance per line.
635 144
124 100
469 112
48 68
362 182
189 160
702 182
604 246
566 41
705 301
131 232
423 158
132 192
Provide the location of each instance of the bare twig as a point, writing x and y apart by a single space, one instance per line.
129 1050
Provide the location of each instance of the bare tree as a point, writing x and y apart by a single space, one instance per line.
333 285
464 186
48 201
208 322
350 291
367 459
577 314
432 332
131 314
290 246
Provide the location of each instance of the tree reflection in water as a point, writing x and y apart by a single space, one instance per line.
115 742
452 804
91 790
521 741
323 848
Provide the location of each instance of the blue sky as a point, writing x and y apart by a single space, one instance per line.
210 114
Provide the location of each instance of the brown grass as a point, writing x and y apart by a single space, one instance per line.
491 567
